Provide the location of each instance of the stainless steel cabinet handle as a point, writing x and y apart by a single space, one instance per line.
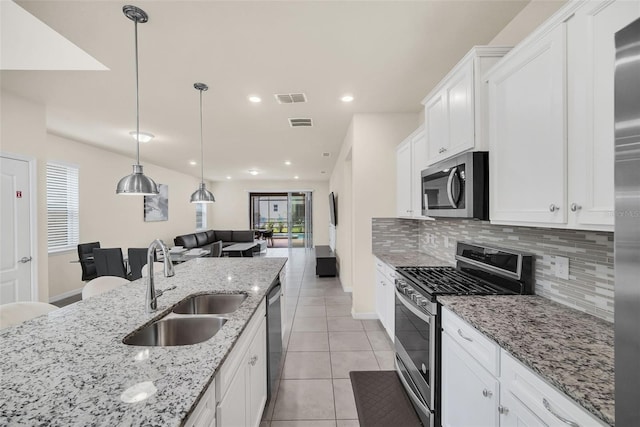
575 207
487 393
253 361
24 260
442 150
462 335
553 208
503 410
547 406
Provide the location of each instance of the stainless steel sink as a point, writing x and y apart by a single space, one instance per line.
175 331
210 304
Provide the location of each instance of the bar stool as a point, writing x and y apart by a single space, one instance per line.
102 284
14 313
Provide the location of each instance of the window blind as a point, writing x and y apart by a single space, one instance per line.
201 216
63 225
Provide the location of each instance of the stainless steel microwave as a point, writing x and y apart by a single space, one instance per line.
457 187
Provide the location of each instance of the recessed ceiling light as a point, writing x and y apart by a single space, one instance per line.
287 162
228 177
142 136
296 177
347 98
193 162
253 172
255 99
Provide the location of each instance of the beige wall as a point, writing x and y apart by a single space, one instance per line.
231 210
534 14
114 221
366 175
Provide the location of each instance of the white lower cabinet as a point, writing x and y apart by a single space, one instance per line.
241 383
469 393
385 296
514 396
205 413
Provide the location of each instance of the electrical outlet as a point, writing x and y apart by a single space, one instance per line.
562 267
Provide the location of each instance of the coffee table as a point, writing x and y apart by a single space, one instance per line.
239 248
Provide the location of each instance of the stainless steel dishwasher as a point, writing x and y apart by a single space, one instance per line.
274 337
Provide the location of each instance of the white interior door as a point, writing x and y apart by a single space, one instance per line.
15 249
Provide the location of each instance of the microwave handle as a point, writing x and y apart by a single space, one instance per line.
450 182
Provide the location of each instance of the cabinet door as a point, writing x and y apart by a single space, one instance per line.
257 376
527 133
232 409
390 308
437 126
403 179
591 53
380 297
460 103
419 158
514 413
469 393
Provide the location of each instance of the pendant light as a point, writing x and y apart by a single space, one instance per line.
202 195
136 183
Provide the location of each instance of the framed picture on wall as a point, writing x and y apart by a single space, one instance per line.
156 208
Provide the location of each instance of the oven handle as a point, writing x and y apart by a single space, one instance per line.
410 390
422 316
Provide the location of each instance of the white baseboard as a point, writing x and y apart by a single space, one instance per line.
350 290
67 294
363 316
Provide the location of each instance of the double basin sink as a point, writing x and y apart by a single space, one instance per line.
193 320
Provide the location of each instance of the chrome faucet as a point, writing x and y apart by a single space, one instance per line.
151 300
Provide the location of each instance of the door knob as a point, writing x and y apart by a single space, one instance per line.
24 260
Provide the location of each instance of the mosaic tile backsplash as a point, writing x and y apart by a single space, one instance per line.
590 287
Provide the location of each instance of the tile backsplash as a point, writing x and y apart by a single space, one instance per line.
590 287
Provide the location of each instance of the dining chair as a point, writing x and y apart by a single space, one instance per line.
137 260
102 284
268 235
85 256
109 262
216 249
17 312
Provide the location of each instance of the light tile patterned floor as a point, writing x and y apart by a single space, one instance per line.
323 345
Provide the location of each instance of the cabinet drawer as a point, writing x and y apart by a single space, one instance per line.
485 351
386 270
550 405
235 358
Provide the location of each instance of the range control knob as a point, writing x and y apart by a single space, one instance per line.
408 291
422 302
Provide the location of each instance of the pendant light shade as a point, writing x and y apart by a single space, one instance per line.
136 184
202 195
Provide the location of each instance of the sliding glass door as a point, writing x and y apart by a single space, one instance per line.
286 217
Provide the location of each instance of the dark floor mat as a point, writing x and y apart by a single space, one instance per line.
381 400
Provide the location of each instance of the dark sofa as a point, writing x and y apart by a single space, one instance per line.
205 239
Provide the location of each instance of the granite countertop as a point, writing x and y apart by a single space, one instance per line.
70 367
570 349
409 259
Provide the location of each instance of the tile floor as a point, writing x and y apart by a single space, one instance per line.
323 344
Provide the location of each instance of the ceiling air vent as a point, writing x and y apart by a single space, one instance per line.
290 98
299 122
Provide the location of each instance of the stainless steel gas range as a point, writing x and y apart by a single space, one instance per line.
480 270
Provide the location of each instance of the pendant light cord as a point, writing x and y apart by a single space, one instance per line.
137 97
201 143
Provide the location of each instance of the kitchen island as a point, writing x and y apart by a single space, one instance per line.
70 367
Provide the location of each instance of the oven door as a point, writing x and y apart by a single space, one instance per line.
415 343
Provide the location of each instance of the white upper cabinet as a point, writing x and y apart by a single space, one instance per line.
455 110
551 121
591 57
411 159
528 133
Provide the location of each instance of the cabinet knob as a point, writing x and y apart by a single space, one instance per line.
487 393
503 410
553 208
442 150
253 360
575 207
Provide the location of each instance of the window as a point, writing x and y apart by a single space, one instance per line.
62 207
201 216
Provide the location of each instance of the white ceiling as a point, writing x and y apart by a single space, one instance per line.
387 54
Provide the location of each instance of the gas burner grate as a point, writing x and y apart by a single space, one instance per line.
447 281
